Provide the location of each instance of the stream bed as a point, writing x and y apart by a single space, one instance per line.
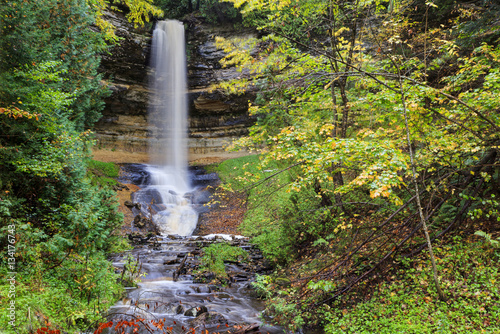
167 299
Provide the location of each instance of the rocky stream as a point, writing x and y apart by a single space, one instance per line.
168 296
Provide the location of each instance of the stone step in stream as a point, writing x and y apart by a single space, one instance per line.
168 299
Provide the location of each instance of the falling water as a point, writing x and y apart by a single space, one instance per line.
167 198
168 107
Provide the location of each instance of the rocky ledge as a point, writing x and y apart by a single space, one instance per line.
215 119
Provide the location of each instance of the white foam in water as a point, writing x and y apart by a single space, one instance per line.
174 214
168 176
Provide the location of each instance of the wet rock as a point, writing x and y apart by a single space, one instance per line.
204 278
120 187
137 238
141 237
247 329
212 288
135 174
148 195
179 309
138 222
202 180
196 311
200 289
223 296
155 208
189 197
209 319
129 204
241 277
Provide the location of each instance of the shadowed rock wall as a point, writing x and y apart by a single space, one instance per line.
215 119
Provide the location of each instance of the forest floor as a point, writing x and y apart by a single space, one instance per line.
225 216
123 195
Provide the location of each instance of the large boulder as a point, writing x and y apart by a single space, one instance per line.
196 311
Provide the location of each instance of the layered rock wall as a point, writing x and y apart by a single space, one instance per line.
215 119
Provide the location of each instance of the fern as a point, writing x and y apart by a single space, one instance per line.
495 243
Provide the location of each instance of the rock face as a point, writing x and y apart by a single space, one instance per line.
215 119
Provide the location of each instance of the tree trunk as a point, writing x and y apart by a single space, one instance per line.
417 193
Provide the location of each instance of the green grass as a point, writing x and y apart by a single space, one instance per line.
108 169
214 257
263 221
234 170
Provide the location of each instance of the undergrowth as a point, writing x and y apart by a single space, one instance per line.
74 296
61 279
408 303
303 240
214 256
265 198
403 302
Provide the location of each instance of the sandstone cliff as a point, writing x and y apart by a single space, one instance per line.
215 119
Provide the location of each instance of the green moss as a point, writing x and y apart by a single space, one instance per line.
101 168
102 173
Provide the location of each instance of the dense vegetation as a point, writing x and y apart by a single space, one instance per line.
58 215
378 126
213 11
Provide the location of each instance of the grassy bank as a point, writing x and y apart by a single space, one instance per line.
266 187
400 300
407 302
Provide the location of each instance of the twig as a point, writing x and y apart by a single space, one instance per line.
181 266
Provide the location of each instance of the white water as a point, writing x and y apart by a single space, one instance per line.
168 124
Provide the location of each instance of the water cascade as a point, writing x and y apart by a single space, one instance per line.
167 294
167 198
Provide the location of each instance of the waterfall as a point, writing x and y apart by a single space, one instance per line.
168 107
167 199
